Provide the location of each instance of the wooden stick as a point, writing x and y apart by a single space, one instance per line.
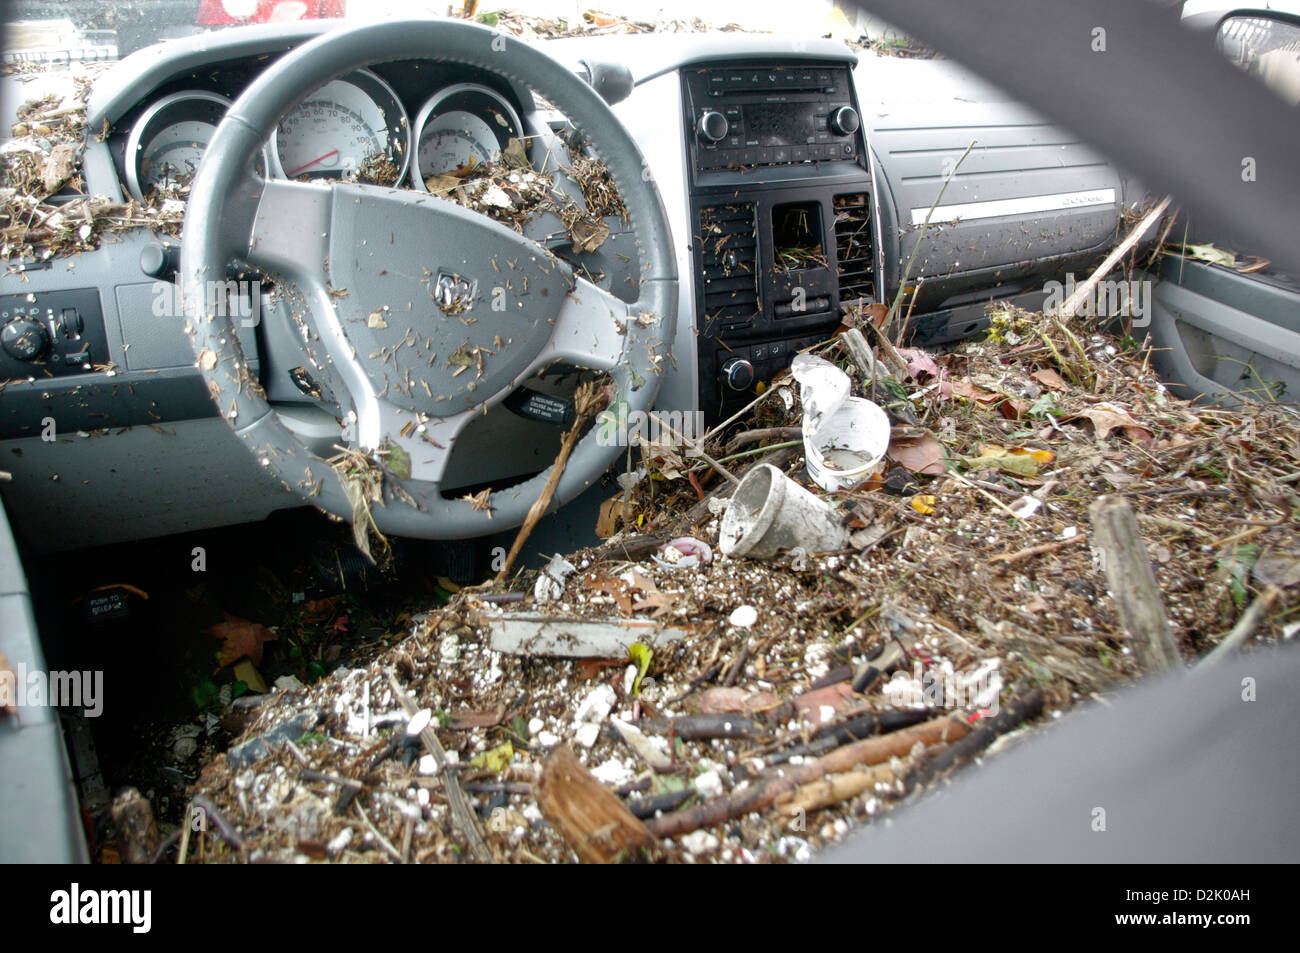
585 403
1084 290
383 841
1039 550
1132 581
1016 712
761 795
461 814
1245 627
696 447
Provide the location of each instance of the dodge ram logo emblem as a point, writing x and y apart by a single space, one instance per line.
453 293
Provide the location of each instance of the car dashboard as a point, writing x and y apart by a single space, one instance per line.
796 178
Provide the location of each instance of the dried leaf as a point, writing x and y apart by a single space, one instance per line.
919 363
1017 460
240 638
922 454
1106 417
1050 379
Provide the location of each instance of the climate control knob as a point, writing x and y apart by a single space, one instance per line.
24 339
713 126
844 121
738 373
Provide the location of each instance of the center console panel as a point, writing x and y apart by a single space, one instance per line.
781 206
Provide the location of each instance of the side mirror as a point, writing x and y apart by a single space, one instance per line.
1266 45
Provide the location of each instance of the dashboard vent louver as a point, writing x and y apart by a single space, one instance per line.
854 246
728 240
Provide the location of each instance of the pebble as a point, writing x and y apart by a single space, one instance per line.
700 842
743 617
709 784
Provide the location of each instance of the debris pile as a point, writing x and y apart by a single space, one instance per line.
44 211
662 697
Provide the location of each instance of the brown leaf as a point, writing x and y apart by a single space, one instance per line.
240 637
921 454
964 388
610 511
660 603
838 697
616 588
1050 379
1106 417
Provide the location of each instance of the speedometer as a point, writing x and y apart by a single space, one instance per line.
352 127
167 141
459 127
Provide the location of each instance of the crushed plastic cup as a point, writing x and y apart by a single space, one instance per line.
769 513
845 438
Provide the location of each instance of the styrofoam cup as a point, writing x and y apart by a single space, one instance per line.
770 513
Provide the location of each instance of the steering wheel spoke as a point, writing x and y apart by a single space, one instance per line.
290 229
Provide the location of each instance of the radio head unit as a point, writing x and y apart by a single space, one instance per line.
747 116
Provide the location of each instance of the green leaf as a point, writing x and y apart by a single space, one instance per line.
642 655
1043 406
239 687
398 461
1215 256
489 19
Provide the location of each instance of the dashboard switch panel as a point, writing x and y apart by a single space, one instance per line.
51 334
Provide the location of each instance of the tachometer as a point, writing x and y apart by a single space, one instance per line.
168 139
352 126
459 126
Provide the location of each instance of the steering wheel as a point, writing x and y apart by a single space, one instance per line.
431 271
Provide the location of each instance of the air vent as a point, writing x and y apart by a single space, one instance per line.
854 247
728 251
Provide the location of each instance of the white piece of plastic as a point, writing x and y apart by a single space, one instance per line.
845 438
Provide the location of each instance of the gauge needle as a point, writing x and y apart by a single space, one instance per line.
303 168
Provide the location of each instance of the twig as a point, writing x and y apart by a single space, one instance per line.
1015 713
925 227
461 814
1084 290
1245 627
696 447
1039 550
224 827
586 403
961 478
383 841
761 795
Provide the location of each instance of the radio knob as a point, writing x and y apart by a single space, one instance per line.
24 339
738 373
713 126
844 121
